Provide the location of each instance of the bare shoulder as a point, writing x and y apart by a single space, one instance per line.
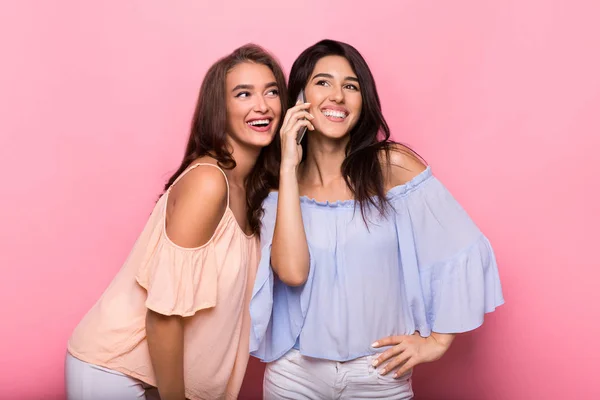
206 181
402 165
196 205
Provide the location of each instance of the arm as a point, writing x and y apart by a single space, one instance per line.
165 343
194 209
446 221
407 351
289 252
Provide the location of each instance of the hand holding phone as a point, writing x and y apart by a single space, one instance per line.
301 98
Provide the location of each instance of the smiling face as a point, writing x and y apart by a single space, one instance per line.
253 104
334 93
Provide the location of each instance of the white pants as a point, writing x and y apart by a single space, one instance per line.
298 377
86 381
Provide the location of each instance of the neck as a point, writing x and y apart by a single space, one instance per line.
324 158
245 158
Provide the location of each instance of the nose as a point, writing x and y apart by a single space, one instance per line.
337 94
261 105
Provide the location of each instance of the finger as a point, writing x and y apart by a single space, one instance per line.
410 364
305 115
388 341
300 103
389 353
289 113
293 132
395 363
297 116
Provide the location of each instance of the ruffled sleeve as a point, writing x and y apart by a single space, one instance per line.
277 311
449 269
179 281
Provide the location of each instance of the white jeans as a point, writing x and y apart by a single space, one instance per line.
296 377
86 381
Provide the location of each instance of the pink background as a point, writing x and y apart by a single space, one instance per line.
501 97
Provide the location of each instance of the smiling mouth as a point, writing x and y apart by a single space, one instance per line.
261 123
335 114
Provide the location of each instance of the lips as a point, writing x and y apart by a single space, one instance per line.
260 124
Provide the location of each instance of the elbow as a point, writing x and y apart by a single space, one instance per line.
292 275
294 280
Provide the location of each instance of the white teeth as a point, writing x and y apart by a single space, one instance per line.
259 122
336 114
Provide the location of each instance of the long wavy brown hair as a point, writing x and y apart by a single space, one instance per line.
208 135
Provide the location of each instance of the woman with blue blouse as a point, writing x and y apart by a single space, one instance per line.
369 266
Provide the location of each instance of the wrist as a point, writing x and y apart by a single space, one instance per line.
442 340
288 170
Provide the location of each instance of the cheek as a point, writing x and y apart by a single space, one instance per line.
238 117
235 119
316 95
236 111
276 107
356 115
357 105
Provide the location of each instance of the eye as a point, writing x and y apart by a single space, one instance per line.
242 94
273 92
351 87
322 83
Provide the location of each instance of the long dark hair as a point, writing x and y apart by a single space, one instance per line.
369 139
208 135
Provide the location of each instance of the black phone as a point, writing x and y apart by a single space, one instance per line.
302 131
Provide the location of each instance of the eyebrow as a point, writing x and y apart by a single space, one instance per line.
324 75
249 87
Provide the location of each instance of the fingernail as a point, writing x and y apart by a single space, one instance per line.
374 363
312 116
375 344
382 371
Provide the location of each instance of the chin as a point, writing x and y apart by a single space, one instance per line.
255 139
335 135
260 142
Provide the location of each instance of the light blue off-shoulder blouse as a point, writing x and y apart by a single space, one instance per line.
424 267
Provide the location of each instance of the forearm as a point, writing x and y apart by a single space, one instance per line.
289 252
165 344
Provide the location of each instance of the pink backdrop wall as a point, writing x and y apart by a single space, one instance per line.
501 97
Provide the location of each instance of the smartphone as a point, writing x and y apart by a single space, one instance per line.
302 131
